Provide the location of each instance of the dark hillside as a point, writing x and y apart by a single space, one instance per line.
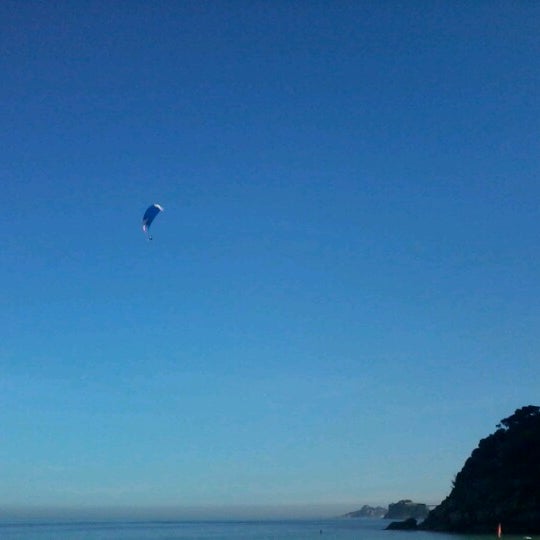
499 483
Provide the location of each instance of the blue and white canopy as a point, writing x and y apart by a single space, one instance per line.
149 216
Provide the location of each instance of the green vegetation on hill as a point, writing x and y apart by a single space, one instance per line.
499 483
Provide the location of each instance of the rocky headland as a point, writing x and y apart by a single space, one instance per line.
406 509
498 484
367 512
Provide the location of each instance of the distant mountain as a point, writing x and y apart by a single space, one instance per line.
367 512
499 482
406 509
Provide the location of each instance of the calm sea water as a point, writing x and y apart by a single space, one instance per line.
339 529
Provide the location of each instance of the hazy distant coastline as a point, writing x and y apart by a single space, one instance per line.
170 512
367 512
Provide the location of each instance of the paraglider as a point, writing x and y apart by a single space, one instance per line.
149 216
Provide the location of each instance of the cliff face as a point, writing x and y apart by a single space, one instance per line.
499 483
406 509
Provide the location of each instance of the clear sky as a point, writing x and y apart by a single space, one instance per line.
342 295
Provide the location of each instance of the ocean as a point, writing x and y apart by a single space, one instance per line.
338 529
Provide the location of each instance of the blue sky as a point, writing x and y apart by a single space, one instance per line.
341 297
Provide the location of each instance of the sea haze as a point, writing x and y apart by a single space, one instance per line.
35 514
343 529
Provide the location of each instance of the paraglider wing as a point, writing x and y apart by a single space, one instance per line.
149 216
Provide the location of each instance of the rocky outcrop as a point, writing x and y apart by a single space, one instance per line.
499 482
406 509
406 525
367 512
